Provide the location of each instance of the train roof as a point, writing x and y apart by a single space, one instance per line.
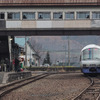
91 46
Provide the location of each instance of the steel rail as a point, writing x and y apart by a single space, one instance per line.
92 92
18 81
91 83
10 87
98 98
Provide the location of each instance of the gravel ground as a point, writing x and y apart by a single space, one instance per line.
53 87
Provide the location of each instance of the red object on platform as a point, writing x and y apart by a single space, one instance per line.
21 69
13 61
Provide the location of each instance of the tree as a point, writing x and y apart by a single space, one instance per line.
44 61
47 59
37 46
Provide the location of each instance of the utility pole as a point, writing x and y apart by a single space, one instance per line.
65 52
65 56
25 51
68 51
30 53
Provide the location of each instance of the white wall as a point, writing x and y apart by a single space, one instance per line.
29 56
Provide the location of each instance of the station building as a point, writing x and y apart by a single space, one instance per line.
27 52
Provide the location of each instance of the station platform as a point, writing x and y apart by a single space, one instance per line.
6 77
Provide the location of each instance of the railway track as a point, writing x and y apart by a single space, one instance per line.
15 85
92 92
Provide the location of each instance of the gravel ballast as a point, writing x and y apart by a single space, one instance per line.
53 87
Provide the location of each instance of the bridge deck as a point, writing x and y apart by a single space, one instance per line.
49 32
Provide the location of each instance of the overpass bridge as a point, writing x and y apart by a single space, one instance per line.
46 17
49 17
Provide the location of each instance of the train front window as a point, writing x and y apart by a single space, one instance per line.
96 53
91 53
87 54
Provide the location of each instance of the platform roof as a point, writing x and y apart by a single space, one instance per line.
49 2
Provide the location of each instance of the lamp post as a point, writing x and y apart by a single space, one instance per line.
10 49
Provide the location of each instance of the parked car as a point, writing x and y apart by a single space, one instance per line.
41 65
46 65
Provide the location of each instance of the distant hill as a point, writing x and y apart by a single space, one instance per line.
57 45
59 42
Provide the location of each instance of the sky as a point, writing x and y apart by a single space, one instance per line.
20 41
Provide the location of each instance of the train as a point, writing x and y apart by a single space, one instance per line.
90 59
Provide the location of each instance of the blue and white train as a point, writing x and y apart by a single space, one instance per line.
90 59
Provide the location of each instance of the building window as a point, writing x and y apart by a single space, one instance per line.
83 15
57 15
69 15
14 15
95 15
29 15
44 15
2 15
